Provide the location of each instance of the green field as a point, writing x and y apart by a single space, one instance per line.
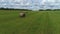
43 22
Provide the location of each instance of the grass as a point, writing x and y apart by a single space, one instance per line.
43 22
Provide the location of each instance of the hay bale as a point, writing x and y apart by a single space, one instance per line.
22 14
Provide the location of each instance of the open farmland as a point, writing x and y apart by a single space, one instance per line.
43 22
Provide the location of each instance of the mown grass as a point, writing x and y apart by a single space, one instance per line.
43 22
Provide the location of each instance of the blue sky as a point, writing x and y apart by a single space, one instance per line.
30 4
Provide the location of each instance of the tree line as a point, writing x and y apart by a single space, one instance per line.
29 10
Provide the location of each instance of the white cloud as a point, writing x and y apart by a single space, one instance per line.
18 0
51 0
43 2
2 0
19 3
27 3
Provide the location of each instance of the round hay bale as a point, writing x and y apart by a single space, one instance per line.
22 14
